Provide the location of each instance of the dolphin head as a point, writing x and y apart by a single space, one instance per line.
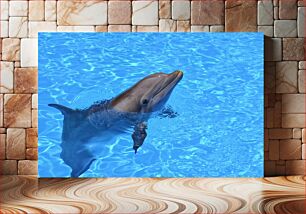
149 94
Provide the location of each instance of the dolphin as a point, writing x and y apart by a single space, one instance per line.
130 110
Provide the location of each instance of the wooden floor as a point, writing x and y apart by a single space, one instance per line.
139 195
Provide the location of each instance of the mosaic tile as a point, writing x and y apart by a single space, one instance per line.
294 49
207 12
301 81
119 28
36 10
15 143
265 12
11 49
290 149
164 9
119 12
37 26
4 9
8 167
297 133
167 25
29 53
280 133
32 154
239 15
75 28
216 28
34 118
17 110
145 13
147 28
27 167
286 77
2 146
18 27
180 10
50 10
287 9
293 120
34 101
101 28
285 28
4 29
183 26
18 8
302 65
31 138
91 12
199 28
7 75
293 103
1 112
301 22
25 80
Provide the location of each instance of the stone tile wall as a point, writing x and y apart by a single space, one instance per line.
282 21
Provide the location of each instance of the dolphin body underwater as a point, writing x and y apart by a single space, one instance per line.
129 110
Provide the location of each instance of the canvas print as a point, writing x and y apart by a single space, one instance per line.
150 104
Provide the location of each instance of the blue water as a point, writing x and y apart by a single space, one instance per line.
219 128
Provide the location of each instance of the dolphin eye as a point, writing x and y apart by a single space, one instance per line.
145 101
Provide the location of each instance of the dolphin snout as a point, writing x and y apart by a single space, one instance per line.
175 76
177 73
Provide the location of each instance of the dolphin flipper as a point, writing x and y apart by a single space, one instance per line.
139 135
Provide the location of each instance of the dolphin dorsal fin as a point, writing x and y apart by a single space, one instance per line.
65 110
